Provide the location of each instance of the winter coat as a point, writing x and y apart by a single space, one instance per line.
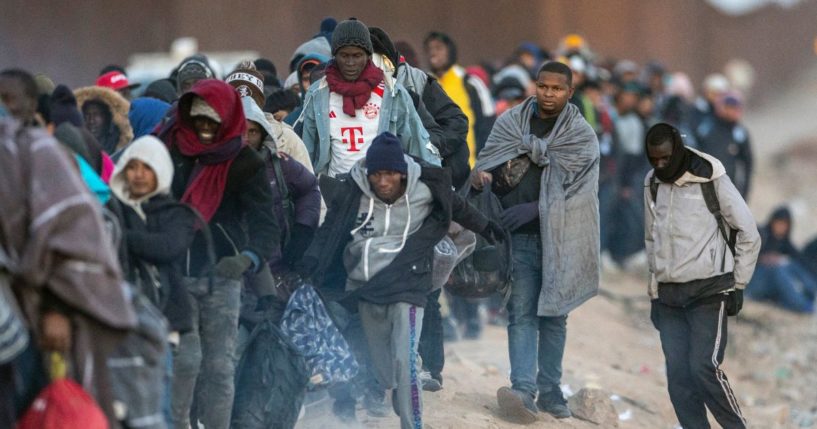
682 238
408 277
157 231
449 134
304 195
145 114
120 132
244 220
397 115
287 141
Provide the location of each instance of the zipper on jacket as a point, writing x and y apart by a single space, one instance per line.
388 220
227 236
671 255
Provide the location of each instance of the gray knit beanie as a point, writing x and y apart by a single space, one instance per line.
351 33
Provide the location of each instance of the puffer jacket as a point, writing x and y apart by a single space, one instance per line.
682 238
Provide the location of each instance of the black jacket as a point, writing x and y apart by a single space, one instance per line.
730 144
454 124
160 243
408 277
243 221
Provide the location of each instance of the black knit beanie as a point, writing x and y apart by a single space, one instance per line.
385 153
63 106
383 45
351 33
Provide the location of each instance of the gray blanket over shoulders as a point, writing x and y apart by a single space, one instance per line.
568 200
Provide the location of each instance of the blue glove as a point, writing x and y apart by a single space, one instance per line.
520 214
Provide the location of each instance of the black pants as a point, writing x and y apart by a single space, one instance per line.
431 338
694 340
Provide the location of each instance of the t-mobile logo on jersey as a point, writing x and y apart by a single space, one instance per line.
355 137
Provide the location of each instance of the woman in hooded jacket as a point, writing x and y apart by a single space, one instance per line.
156 229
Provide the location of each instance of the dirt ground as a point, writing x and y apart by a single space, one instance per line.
611 344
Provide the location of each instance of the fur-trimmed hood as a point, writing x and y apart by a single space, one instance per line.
118 106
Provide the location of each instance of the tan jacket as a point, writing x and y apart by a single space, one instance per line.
682 238
288 142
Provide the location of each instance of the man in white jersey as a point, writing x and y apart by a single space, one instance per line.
345 110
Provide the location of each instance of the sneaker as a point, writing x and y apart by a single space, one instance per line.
429 383
516 405
375 404
553 403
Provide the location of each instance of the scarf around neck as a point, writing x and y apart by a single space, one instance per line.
355 94
208 179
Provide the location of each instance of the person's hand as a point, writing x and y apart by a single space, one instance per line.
734 302
480 179
232 267
654 313
493 233
56 332
520 214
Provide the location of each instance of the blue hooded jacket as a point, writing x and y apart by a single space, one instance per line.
145 113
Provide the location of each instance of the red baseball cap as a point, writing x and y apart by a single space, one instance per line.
115 80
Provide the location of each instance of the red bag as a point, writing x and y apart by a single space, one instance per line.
63 404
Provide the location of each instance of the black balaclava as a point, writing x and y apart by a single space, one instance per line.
383 45
679 160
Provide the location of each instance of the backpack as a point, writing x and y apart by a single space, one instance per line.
488 269
714 207
271 380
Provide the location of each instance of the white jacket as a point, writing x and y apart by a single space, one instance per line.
682 238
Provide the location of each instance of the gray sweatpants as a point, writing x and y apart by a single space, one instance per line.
204 362
393 333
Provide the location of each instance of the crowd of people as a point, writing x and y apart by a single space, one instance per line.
211 248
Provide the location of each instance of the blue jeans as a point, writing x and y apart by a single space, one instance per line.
533 341
788 285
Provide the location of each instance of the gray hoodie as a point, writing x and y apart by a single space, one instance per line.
381 229
682 237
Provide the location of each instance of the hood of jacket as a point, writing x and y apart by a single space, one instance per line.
145 113
118 106
224 99
699 172
317 45
151 151
254 113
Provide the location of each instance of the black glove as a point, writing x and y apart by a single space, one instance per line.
493 233
654 313
520 214
734 302
233 267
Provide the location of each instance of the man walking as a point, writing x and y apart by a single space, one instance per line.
702 245
378 240
543 160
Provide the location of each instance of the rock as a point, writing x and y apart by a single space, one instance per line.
595 406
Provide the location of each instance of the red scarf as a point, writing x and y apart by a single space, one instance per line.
208 180
355 94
